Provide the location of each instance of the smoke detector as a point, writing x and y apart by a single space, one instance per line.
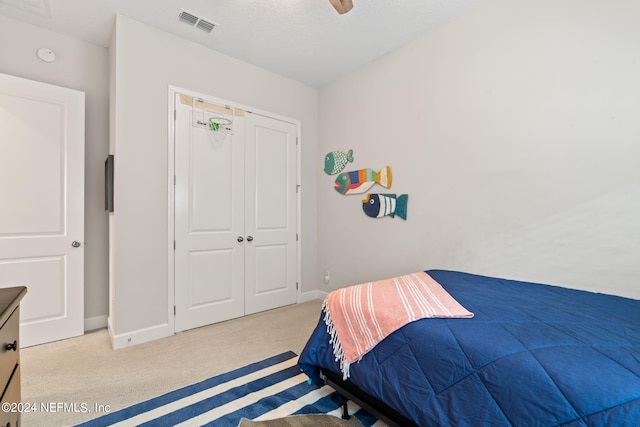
194 20
46 54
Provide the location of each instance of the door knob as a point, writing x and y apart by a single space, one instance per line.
75 244
240 239
249 238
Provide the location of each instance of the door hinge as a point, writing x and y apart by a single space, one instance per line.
175 115
296 237
297 286
175 180
174 310
174 245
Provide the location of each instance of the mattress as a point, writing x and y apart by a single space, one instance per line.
533 355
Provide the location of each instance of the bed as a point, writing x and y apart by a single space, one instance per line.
531 355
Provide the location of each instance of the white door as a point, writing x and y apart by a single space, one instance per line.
235 216
42 206
209 221
270 213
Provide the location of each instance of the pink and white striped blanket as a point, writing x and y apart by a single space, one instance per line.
359 317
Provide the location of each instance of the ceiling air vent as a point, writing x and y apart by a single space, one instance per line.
188 18
205 25
193 20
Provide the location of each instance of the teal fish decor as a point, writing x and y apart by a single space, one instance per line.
335 161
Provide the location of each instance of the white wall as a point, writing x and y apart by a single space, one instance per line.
146 61
514 129
81 66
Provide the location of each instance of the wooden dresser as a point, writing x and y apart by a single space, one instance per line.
10 354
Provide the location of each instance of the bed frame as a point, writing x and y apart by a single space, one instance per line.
375 407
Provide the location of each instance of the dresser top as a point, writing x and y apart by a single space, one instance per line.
9 300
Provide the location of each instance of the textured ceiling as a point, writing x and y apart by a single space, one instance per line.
303 39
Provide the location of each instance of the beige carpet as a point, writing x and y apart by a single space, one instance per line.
303 421
87 370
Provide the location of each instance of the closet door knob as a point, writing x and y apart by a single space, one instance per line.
249 238
240 239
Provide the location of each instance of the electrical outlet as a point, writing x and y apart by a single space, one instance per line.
327 276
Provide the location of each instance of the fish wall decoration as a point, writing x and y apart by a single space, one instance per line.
360 181
379 205
335 161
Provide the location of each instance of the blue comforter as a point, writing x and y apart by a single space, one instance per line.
533 355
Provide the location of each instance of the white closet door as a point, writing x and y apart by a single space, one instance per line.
42 206
209 219
270 212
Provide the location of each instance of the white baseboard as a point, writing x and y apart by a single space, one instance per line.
312 295
138 337
93 323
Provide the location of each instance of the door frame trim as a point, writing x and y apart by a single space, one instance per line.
171 142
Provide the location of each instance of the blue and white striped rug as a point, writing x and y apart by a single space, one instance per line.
272 388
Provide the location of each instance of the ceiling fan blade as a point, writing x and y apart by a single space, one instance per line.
342 6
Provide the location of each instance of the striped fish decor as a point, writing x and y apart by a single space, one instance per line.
379 205
360 181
